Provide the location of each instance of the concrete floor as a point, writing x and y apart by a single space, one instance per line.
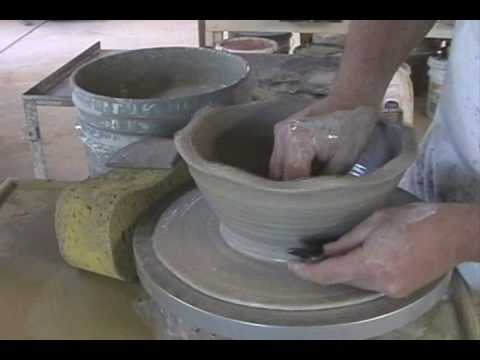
26 60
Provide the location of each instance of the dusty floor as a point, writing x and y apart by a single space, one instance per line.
26 61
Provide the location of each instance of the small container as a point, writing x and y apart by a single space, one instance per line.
248 45
283 40
399 95
437 76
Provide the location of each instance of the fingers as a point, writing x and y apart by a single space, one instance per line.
276 161
366 284
354 129
348 270
338 165
293 152
335 139
337 270
298 160
355 237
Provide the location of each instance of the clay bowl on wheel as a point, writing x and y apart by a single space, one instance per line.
228 151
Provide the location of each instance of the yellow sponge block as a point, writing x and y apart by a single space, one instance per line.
94 219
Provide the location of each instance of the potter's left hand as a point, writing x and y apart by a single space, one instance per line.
320 132
399 250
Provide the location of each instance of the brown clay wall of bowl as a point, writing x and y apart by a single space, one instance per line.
228 152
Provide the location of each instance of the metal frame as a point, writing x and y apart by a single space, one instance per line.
42 94
211 32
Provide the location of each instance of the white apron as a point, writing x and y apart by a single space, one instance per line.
448 167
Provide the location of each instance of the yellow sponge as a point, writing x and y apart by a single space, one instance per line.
94 218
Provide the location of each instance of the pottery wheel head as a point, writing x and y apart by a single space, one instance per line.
187 241
185 265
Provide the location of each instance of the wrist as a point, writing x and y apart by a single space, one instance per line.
338 102
469 233
330 104
350 95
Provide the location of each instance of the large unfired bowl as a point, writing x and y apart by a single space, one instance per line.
156 91
128 95
228 150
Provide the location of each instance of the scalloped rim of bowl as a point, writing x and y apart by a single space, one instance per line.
77 88
189 153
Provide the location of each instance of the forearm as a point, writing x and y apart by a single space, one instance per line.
461 228
374 50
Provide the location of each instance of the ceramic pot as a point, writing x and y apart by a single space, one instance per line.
248 45
228 150
124 97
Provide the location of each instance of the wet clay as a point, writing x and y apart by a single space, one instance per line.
161 73
183 89
228 151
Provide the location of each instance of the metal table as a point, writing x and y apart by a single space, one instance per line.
54 90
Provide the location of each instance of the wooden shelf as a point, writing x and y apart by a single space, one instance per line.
211 31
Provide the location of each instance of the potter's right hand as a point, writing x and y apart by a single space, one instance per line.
399 250
333 138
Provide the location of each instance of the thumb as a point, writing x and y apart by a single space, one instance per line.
299 154
336 270
354 238
278 157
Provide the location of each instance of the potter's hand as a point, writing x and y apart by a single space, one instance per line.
333 138
399 250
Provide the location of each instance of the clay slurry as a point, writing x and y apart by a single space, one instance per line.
183 89
161 73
